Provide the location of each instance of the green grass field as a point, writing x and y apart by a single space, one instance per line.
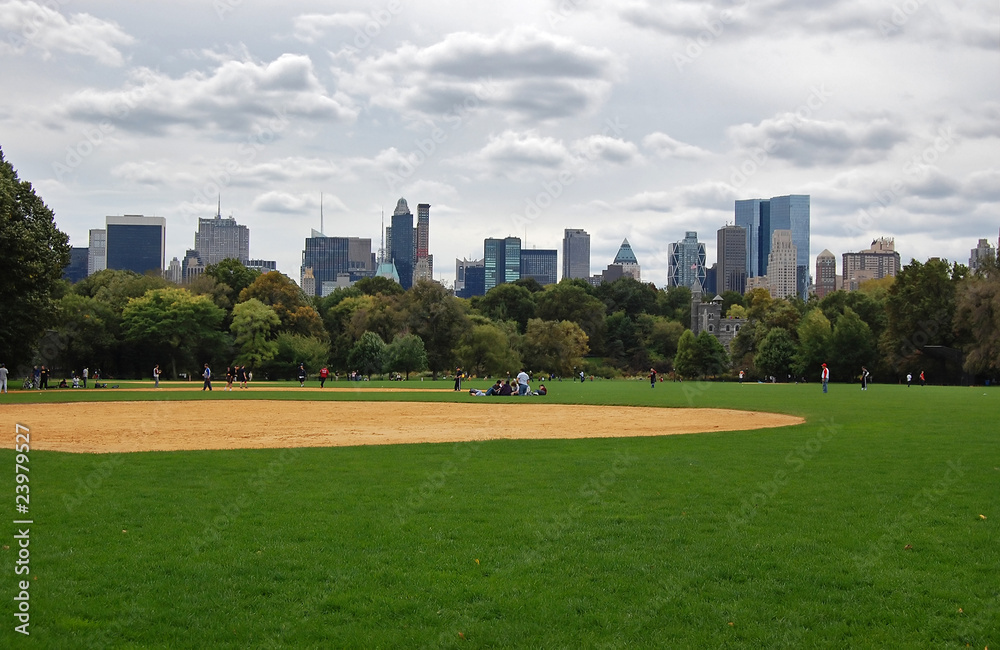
861 528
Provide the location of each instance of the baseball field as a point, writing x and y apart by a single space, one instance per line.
405 514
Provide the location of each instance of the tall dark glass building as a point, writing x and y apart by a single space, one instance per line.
136 243
402 246
576 254
502 261
328 257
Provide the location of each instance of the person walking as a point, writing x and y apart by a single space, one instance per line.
86 372
302 375
241 376
864 378
156 376
652 377
909 379
230 376
825 376
923 380
207 374
522 383
3 378
741 376
323 374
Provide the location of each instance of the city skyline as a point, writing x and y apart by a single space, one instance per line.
623 119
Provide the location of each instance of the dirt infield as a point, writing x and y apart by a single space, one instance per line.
114 427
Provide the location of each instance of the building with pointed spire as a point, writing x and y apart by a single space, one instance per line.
401 244
218 239
626 259
707 316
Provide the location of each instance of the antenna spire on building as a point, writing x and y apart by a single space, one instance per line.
218 214
321 213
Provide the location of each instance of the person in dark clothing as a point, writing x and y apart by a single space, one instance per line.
506 389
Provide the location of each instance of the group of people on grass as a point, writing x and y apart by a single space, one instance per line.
234 374
505 387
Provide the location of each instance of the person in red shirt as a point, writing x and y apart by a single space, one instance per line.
323 374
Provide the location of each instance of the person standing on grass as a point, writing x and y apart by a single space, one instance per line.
86 371
923 380
864 378
241 375
909 379
230 376
302 375
458 379
156 376
323 374
207 374
825 376
44 375
652 377
522 383
3 378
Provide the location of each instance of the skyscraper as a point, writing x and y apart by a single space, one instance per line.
218 239
980 254
542 265
136 243
782 265
502 261
879 261
792 213
97 251
686 264
576 254
423 263
323 259
731 274
402 248
761 217
462 267
826 273
626 259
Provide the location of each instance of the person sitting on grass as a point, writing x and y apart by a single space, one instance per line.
494 389
506 389
541 390
63 384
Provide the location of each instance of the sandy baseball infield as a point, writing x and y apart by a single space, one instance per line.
114 427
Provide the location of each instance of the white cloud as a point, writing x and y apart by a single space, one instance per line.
664 146
258 100
285 203
32 24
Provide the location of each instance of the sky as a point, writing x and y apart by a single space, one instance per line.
627 118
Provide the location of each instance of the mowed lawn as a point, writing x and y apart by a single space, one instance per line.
873 525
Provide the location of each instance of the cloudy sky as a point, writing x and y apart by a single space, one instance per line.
628 118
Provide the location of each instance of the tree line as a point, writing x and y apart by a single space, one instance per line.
934 316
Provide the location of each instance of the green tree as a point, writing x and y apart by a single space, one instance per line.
378 285
174 323
622 343
35 253
87 327
233 275
508 302
675 304
438 318
711 355
293 307
406 354
551 346
852 344
977 316
920 310
487 349
687 361
368 354
254 324
777 352
570 301
628 295
815 335
294 349
660 337
529 283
